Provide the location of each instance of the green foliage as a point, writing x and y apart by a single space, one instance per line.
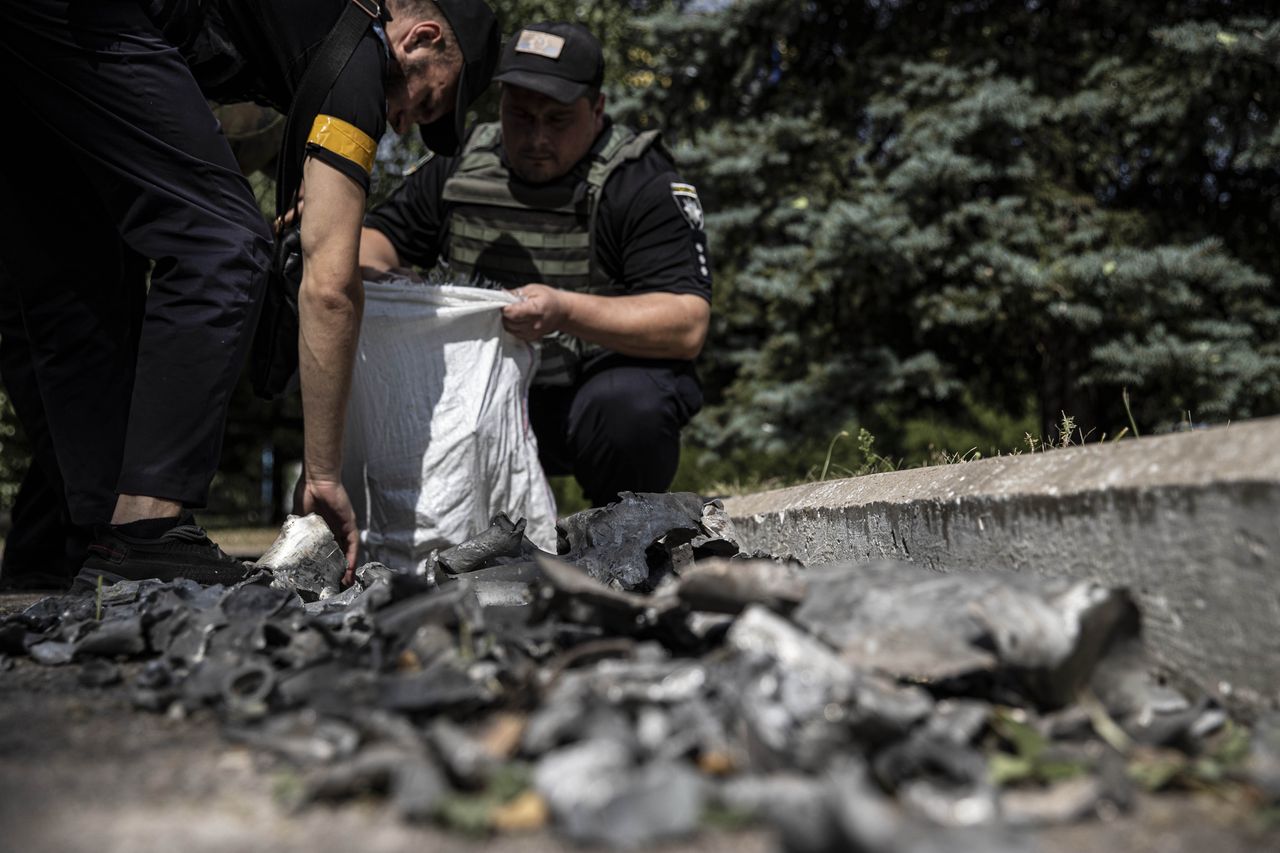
258 433
473 812
970 431
1029 756
981 204
568 495
1219 766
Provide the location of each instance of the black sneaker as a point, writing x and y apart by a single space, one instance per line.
183 552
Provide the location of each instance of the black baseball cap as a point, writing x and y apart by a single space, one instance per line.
561 60
479 36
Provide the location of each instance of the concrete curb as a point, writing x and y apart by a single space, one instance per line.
1188 523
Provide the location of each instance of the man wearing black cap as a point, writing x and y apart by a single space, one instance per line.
589 223
111 100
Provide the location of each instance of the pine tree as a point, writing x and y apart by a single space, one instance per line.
936 207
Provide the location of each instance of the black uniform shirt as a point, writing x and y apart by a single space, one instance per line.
649 235
257 50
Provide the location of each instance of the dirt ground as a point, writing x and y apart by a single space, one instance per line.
81 770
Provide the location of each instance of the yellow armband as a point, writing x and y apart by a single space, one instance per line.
344 139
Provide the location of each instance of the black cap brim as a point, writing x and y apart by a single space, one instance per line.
558 88
479 38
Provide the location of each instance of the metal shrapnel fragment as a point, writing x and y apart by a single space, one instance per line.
913 623
596 795
611 543
730 586
502 538
305 558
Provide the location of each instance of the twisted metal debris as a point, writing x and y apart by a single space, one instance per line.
651 677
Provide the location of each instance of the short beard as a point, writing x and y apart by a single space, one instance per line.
398 77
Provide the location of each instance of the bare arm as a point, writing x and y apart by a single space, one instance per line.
649 325
377 252
330 306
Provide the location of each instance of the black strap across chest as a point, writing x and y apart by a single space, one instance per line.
316 82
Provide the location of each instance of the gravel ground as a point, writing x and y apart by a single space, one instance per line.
81 770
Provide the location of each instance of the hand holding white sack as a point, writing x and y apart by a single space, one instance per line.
438 438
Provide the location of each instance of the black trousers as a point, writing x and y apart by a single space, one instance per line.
118 157
617 429
43 547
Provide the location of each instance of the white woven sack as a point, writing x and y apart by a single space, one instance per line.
438 438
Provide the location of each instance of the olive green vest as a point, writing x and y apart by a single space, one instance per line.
515 233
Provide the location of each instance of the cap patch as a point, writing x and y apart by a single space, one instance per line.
686 198
540 44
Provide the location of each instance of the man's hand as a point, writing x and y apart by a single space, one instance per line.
543 310
291 215
648 325
330 501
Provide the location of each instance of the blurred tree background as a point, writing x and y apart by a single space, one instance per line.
937 227
950 223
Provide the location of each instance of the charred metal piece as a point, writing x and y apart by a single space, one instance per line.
245 688
596 795
52 652
440 687
469 764
99 673
794 804
611 543
303 737
579 597
957 721
502 538
719 538
305 559
450 607
913 623
730 586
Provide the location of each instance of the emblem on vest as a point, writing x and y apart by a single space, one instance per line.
686 198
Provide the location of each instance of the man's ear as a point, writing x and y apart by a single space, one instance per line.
597 111
423 36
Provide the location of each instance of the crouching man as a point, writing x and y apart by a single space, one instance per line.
591 225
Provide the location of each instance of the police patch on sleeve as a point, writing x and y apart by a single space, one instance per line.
686 198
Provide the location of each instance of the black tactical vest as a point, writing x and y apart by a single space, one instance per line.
513 233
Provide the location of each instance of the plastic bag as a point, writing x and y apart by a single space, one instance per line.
438 438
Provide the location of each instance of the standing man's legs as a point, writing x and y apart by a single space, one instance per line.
74 299
100 91
44 548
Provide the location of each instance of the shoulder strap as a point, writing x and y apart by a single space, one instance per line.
479 152
485 135
622 146
316 82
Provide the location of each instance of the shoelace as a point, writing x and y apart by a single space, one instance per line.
196 534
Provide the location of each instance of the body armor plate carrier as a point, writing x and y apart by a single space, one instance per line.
512 233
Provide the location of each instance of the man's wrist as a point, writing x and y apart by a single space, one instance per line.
327 471
571 310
